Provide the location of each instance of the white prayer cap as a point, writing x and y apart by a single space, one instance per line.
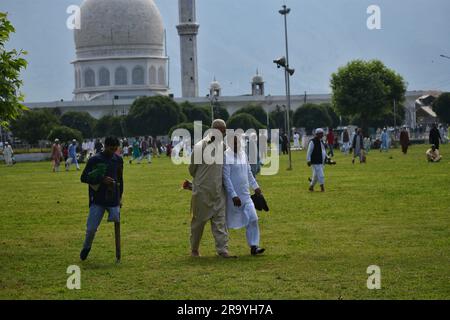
56 140
319 130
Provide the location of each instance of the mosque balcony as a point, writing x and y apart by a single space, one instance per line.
187 29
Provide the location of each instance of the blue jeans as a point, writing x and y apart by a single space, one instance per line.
95 217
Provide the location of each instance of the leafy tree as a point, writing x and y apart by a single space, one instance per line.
195 113
244 121
110 125
278 119
442 107
367 89
311 116
65 134
11 64
335 121
220 112
153 116
81 121
34 125
256 111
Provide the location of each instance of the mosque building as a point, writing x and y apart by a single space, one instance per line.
120 55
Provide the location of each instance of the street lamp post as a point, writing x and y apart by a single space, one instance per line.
284 62
213 99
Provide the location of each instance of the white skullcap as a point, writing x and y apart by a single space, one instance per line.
319 130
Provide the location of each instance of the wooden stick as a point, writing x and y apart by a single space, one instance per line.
117 235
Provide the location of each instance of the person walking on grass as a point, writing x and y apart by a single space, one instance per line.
315 158
345 141
104 175
240 209
297 141
330 142
435 136
404 140
72 156
358 146
208 195
384 141
8 154
136 152
57 155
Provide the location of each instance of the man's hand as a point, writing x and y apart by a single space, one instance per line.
237 201
309 163
108 181
258 191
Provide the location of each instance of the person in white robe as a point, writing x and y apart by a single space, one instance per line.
315 158
240 210
297 141
8 154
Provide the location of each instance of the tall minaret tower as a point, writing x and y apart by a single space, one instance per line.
188 30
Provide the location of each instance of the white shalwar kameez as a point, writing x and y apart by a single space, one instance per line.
238 179
317 169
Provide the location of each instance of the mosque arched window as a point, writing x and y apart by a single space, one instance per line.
104 78
152 75
121 76
138 75
162 76
89 78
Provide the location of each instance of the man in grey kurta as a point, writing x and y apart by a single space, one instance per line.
208 195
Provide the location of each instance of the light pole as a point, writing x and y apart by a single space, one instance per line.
213 99
269 103
288 72
444 56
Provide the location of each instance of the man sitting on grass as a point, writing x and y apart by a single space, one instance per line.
433 154
104 174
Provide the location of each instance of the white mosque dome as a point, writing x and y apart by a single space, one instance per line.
215 85
119 23
119 51
257 78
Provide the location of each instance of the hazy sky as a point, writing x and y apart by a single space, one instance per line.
238 36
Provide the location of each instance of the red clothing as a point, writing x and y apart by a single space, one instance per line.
330 137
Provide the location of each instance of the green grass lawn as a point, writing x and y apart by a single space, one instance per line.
393 212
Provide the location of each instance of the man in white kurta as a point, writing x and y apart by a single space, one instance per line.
240 210
8 154
297 141
315 158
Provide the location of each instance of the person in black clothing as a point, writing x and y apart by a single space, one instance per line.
104 174
435 136
316 157
98 146
284 144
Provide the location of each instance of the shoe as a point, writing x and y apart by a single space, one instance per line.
84 253
226 255
256 250
195 253
311 189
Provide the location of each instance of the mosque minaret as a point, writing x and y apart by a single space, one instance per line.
188 30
